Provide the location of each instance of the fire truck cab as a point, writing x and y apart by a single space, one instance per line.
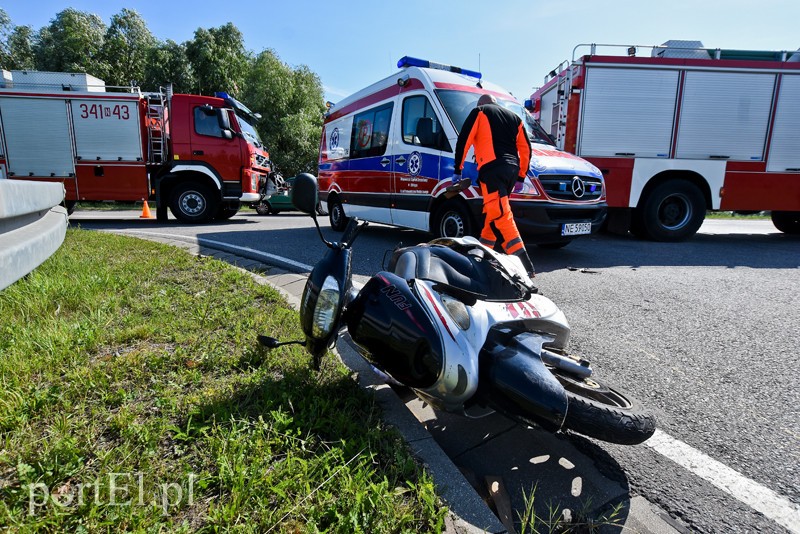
387 155
681 130
197 156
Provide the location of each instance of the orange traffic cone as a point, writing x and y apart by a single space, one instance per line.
146 212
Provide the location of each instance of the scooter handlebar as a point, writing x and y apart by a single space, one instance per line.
351 231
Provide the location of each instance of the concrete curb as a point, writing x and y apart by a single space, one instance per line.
468 512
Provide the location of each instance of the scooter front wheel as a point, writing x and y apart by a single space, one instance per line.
600 411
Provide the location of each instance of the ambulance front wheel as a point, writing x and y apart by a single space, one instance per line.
336 214
452 219
193 203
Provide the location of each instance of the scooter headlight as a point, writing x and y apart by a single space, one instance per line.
457 310
326 309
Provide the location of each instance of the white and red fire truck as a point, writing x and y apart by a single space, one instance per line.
681 130
199 156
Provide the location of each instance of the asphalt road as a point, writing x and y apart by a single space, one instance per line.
704 332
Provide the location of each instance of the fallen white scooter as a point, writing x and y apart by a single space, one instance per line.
464 327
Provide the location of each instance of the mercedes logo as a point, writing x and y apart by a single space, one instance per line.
578 187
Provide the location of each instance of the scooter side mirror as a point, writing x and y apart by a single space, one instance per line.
305 193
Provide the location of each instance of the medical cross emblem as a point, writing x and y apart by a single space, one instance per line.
414 163
335 138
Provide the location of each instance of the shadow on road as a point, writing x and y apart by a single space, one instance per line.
540 472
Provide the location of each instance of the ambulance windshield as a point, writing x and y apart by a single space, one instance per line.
458 104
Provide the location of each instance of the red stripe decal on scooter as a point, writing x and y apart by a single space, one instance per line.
438 312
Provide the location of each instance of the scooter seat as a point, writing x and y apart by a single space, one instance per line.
468 272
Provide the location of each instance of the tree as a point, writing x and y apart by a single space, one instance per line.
20 46
166 64
125 48
291 104
72 43
16 45
218 59
6 27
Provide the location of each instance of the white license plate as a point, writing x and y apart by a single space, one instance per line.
576 228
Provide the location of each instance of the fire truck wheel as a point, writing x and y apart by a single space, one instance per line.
336 215
787 222
226 212
673 211
452 219
193 203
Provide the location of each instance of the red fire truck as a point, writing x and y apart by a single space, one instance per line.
681 130
199 156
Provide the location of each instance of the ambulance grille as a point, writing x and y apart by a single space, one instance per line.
564 187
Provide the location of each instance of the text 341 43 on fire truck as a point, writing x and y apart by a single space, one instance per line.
681 130
199 156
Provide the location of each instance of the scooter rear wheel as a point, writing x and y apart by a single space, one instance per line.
603 412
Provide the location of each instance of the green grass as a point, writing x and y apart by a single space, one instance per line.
135 397
759 216
110 206
560 520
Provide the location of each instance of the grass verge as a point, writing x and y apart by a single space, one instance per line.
757 216
134 397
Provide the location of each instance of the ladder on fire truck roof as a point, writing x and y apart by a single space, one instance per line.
157 133
558 126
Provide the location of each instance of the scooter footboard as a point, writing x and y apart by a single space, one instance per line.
515 382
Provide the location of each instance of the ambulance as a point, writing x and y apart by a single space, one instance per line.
387 156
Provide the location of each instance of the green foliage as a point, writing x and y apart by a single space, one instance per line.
16 44
125 48
135 397
218 59
167 63
559 520
72 43
291 104
20 48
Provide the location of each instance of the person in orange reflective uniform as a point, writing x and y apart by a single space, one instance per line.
503 153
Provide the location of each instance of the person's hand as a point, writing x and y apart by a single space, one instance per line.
456 178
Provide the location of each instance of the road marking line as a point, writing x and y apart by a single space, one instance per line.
762 499
223 246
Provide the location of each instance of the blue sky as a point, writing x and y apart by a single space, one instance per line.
353 43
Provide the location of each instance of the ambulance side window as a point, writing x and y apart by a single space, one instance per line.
421 126
371 132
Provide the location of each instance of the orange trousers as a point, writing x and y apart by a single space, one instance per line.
498 217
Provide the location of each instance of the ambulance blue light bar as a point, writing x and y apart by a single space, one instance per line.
408 61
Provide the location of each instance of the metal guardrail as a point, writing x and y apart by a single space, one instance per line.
32 226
